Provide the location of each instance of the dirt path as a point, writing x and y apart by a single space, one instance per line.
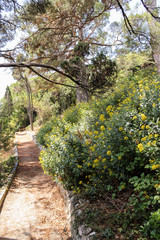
33 208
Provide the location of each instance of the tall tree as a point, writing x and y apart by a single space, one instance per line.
154 28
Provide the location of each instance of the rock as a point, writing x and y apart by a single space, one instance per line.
84 230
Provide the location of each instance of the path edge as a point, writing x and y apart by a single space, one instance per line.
5 188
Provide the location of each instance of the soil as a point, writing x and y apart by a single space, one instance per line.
33 208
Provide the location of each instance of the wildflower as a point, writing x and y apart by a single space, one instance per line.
149 144
134 117
102 118
87 143
96 123
80 182
108 109
104 159
109 153
119 157
126 138
86 132
154 105
156 135
140 147
122 186
71 155
95 132
143 117
147 126
102 128
96 160
155 166
143 139
120 129
143 127
152 161
79 166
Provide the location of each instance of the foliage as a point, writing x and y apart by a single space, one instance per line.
5 169
113 146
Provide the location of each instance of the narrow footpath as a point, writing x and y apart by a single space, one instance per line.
33 208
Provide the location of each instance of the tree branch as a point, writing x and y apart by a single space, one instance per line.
148 10
30 65
47 79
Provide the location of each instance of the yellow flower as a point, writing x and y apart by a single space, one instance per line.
122 186
120 129
92 148
96 123
140 147
95 132
143 117
71 155
143 127
154 105
149 144
143 139
79 166
80 182
152 161
156 135
102 128
147 126
108 109
96 160
104 159
87 143
134 117
125 138
102 118
157 185
109 153
155 166
119 157
86 132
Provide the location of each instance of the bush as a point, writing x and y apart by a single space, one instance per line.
115 146
5 169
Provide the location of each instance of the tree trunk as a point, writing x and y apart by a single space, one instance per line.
30 103
82 94
154 28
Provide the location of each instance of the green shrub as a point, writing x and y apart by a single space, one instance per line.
5 169
47 127
112 145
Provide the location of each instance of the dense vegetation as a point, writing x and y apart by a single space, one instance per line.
5 169
112 147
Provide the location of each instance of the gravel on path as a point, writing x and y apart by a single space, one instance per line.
33 208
